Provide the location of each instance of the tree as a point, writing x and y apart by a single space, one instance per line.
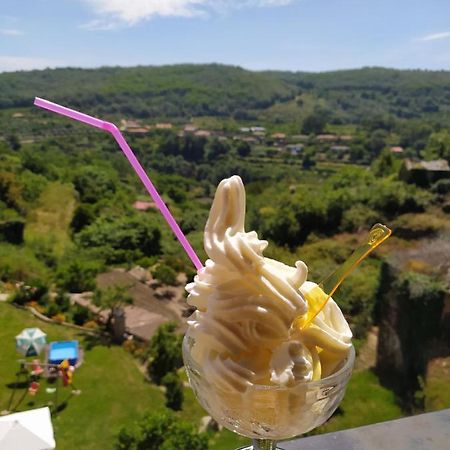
161 431
438 146
165 274
174 390
308 161
243 148
315 122
216 148
122 239
94 184
385 164
164 352
76 274
193 148
83 216
170 145
376 141
13 142
112 299
10 191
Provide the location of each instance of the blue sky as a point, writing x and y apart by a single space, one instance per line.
312 35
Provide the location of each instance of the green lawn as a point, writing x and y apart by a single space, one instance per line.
48 224
365 402
114 392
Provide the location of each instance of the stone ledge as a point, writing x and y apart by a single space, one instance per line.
429 431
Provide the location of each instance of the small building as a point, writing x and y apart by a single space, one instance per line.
249 140
143 206
295 149
133 126
257 130
340 148
424 173
202 133
190 128
326 138
163 126
259 134
244 130
300 137
345 138
397 150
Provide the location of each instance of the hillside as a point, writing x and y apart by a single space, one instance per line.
323 158
348 96
181 90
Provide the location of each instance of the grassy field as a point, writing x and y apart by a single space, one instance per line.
115 393
48 224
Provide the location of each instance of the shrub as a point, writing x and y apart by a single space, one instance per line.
60 317
174 390
161 431
94 184
81 315
12 230
358 217
62 300
441 187
165 274
83 216
51 310
122 239
164 352
77 275
20 264
36 291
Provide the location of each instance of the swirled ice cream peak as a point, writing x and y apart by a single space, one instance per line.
246 305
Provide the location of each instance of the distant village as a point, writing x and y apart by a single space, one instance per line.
414 171
328 146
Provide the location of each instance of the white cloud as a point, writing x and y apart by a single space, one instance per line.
130 12
11 32
100 25
13 63
435 36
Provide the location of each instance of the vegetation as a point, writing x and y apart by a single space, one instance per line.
164 352
102 408
68 212
112 299
174 390
161 431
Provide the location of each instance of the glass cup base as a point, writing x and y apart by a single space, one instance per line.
250 447
261 444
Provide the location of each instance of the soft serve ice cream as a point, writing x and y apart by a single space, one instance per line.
242 330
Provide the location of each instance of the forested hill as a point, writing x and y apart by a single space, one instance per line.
180 90
218 90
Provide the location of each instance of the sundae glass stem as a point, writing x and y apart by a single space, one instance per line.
264 444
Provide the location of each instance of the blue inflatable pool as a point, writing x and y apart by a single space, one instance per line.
61 350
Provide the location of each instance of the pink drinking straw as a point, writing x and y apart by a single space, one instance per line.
111 128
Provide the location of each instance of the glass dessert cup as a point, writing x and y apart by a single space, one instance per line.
267 413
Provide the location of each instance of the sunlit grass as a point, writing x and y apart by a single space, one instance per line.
48 223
